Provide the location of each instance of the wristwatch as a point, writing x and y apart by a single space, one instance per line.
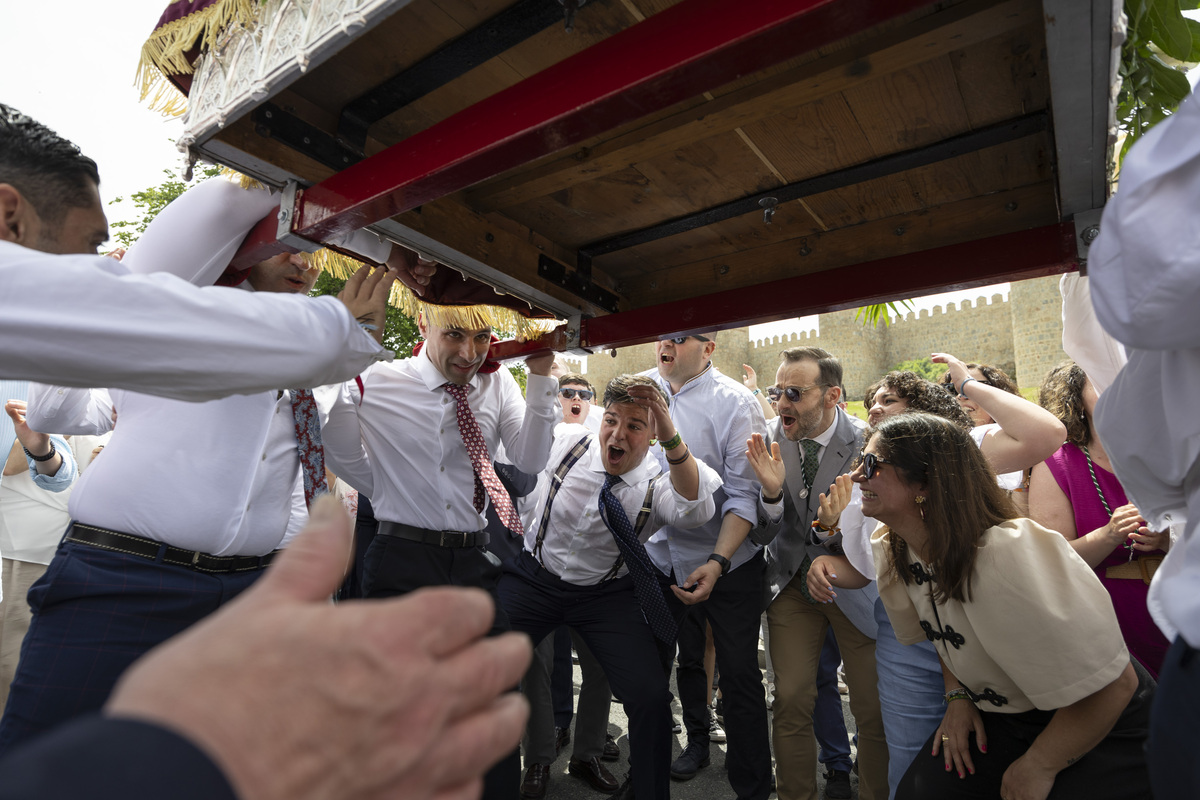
720 559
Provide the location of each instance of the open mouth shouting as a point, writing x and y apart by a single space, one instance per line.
613 457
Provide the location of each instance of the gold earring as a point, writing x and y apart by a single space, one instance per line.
920 500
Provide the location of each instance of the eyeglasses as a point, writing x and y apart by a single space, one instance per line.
870 463
682 339
773 392
584 394
794 394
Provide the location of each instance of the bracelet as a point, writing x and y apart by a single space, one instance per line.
42 459
673 442
756 392
771 500
957 694
817 525
720 559
963 386
676 461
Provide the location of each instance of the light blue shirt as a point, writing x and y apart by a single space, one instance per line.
715 415
67 472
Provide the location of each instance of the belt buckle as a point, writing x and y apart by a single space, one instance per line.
441 538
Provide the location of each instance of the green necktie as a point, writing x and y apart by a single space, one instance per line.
811 447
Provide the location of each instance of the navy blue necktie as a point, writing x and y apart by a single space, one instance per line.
649 595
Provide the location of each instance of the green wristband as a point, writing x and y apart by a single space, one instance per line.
673 442
957 694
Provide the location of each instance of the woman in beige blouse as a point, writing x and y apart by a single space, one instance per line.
1042 699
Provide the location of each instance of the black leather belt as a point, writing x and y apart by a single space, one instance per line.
439 538
149 549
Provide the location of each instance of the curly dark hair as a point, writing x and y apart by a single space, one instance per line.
925 395
992 376
1062 395
962 498
49 172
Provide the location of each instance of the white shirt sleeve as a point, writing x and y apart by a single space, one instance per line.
1143 265
1089 345
527 425
84 321
71 411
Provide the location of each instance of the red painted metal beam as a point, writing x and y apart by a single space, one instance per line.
678 53
1012 256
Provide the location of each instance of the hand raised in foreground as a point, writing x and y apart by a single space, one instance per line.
293 697
366 296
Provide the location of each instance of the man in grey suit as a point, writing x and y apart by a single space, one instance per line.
814 442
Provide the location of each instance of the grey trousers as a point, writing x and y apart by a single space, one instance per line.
591 717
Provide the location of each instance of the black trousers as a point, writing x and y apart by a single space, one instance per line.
394 567
610 621
1114 769
734 610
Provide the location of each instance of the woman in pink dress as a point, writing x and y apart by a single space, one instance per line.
1075 493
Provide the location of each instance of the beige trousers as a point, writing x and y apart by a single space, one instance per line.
797 631
17 577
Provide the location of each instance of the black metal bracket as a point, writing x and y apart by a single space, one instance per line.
503 31
273 122
576 284
970 142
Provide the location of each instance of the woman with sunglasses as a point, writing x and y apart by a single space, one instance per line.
1042 698
910 681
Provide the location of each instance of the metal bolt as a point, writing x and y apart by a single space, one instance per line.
284 215
900 230
768 206
487 237
723 269
653 284
268 114
572 333
1010 206
1089 234
307 140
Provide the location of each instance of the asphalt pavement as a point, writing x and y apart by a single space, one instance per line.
710 783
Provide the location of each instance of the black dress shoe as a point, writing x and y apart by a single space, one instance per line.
562 738
626 790
594 773
536 779
611 751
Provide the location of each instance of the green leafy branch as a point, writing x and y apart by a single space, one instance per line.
1160 46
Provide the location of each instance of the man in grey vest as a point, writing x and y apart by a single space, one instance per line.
817 442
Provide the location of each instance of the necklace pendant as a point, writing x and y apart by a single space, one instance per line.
804 494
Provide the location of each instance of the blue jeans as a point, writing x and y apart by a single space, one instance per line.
911 696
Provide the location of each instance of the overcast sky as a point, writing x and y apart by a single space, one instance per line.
70 65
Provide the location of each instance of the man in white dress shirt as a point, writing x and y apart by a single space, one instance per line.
417 437
578 571
188 505
720 415
57 323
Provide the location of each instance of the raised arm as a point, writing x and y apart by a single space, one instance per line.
1028 435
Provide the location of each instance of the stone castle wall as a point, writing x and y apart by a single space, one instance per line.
1022 333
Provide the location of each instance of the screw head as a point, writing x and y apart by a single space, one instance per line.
1089 234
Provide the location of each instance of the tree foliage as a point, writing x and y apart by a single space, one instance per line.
1160 45
923 367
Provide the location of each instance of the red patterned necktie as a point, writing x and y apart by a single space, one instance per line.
485 473
308 443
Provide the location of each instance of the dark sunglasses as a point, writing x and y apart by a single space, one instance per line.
870 463
682 339
584 394
793 394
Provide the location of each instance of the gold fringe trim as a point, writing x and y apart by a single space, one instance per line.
164 53
241 179
504 321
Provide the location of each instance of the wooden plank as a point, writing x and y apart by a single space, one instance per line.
812 139
1005 77
927 38
1031 206
909 108
470 234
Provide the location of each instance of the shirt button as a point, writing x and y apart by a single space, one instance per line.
447 506
60 391
264 457
441 430
441 469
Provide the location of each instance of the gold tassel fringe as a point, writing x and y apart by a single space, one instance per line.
164 53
